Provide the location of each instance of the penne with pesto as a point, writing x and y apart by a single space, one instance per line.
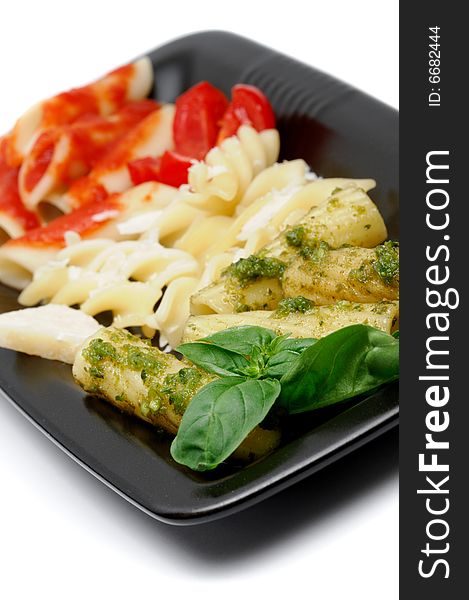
356 274
254 283
319 273
299 318
152 385
349 216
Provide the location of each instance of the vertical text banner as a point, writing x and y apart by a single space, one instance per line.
434 397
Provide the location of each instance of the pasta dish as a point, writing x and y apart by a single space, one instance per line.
192 279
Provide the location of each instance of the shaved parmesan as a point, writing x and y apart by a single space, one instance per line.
53 331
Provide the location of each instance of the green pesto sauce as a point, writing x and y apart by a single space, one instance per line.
296 236
380 308
141 359
315 252
346 305
129 356
288 306
387 262
385 265
309 249
254 267
333 203
98 350
358 210
176 389
95 372
363 273
152 405
180 387
239 308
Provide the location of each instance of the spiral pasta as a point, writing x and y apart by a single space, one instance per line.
219 182
216 185
126 278
174 310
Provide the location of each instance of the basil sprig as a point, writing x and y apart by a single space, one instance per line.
249 351
258 369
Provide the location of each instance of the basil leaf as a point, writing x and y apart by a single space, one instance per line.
214 359
341 365
396 334
286 351
242 339
218 419
280 363
295 344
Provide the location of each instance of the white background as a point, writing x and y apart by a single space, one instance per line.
65 535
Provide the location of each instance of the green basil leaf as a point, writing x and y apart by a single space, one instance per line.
214 359
280 363
218 419
242 339
382 360
295 344
341 365
396 334
286 351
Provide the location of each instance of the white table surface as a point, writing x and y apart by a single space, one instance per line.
64 534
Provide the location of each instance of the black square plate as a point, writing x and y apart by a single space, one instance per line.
340 132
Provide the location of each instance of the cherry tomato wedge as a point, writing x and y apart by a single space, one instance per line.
171 169
197 118
174 168
144 169
248 106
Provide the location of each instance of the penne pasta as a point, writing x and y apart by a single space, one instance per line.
254 283
102 97
62 154
348 216
152 385
356 274
278 197
316 322
152 135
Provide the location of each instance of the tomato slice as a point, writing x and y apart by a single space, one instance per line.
144 169
174 168
248 106
171 168
197 118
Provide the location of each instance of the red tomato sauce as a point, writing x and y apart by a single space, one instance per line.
90 138
123 152
82 221
68 106
10 201
85 189
117 92
42 153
